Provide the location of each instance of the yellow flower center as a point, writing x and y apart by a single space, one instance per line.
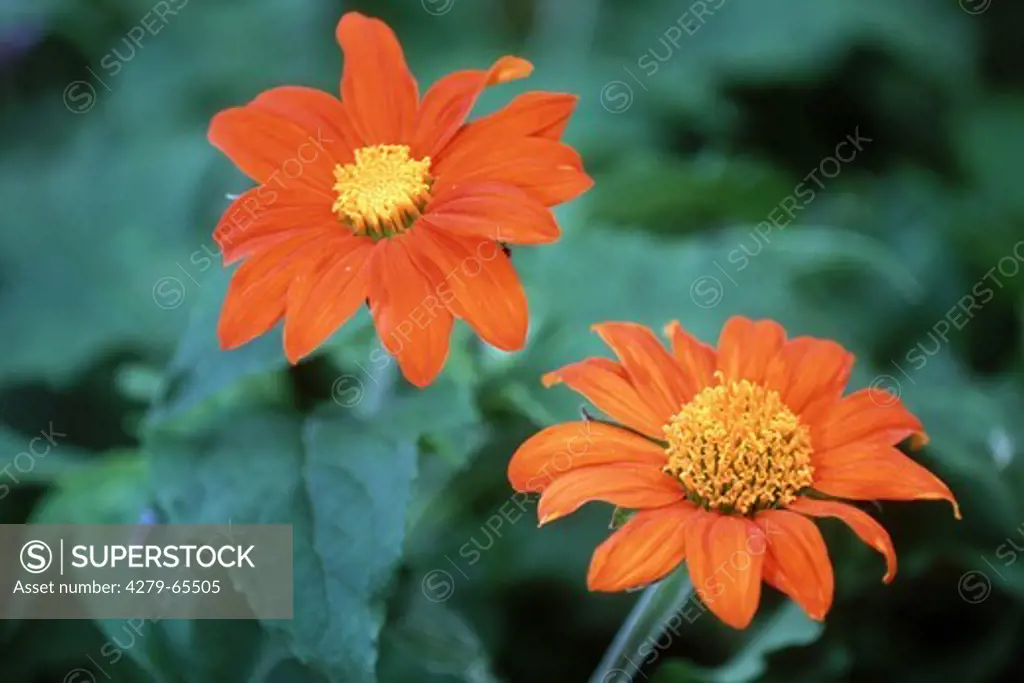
383 191
737 447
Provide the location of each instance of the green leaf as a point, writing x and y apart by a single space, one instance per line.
111 490
443 419
345 489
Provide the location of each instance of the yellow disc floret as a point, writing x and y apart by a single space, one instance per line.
736 447
382 191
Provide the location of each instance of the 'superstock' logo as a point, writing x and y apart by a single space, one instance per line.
36 557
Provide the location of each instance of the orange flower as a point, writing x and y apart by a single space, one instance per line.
724 455
391 199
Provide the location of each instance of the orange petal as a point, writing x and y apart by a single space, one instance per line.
255 299
566 447
319 302
413 323
377 87
532 114
449 101
810 375
318 112
866 528
605 384
476 281
547 170
867 415
264 216
725 554
697 359
270 148
493 210
631 486
797 561
746 347
657 377
643 550
875 471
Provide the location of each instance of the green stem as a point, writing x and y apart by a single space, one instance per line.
647 620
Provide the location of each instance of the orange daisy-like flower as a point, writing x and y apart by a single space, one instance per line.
392 199
724 455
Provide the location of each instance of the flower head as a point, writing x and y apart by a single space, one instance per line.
722 456
392 199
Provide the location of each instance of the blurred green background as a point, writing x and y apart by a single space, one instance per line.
701 122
